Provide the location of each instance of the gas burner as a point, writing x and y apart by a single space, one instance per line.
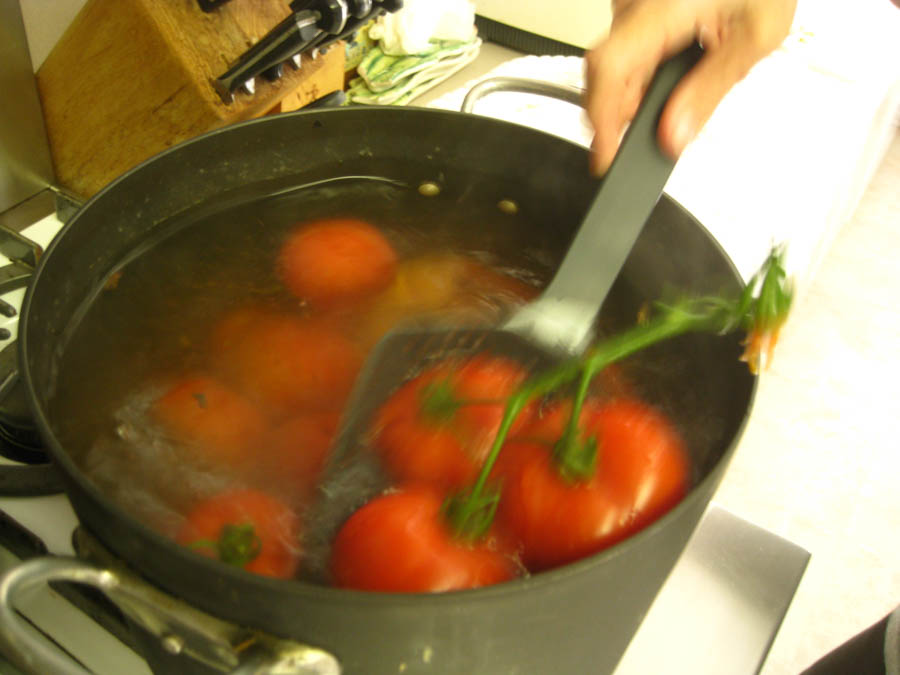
19 439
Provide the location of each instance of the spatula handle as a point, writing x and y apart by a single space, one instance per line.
625 198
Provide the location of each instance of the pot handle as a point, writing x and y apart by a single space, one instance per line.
181 629
31 652
521 85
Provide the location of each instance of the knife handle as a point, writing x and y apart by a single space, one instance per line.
211 5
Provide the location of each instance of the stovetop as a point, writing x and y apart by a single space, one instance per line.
26 471
718 612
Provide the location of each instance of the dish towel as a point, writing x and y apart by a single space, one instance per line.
414 50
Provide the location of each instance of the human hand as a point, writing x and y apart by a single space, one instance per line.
735 34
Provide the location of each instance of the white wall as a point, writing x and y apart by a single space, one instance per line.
45 21
575 22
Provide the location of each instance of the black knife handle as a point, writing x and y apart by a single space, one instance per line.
289 37
313 25
210 5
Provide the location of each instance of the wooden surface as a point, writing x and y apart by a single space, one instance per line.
130 78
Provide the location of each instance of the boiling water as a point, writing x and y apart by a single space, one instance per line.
151 319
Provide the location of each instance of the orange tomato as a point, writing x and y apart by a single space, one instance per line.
210 418
336 261
246 528
286 363
292 454
421 287
441 285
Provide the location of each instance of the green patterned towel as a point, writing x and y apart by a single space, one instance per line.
395 80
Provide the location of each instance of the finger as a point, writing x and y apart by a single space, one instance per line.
619 5
698 94
603 102
613 96
618 70
605 144
732 49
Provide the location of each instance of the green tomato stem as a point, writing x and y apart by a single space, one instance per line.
674 321
238 544
714 314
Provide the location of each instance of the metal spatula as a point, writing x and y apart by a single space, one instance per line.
560 322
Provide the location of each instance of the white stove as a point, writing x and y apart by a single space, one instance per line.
51 521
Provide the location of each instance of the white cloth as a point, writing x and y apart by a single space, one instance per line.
412 28
789 151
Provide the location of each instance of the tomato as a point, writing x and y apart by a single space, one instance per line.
483 284
210 418
286 363
400 542
246 528
421 287
645 453
439 426
641 472
547 424
231 329
292 454
336 261
441 284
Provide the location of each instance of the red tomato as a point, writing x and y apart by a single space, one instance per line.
641 472
423 437
293 453
286 363
246 528
336 261
211 418
399 542
646 453
548 423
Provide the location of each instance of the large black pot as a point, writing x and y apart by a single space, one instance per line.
575 619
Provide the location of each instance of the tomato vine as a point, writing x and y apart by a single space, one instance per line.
760 310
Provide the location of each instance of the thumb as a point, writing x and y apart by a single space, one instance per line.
700 92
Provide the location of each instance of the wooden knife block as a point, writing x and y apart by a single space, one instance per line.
130 78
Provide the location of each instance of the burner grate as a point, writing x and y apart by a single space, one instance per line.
20 441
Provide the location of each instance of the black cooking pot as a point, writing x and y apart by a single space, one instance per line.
575 619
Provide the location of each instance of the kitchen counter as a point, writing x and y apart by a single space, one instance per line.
818 463
817 165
